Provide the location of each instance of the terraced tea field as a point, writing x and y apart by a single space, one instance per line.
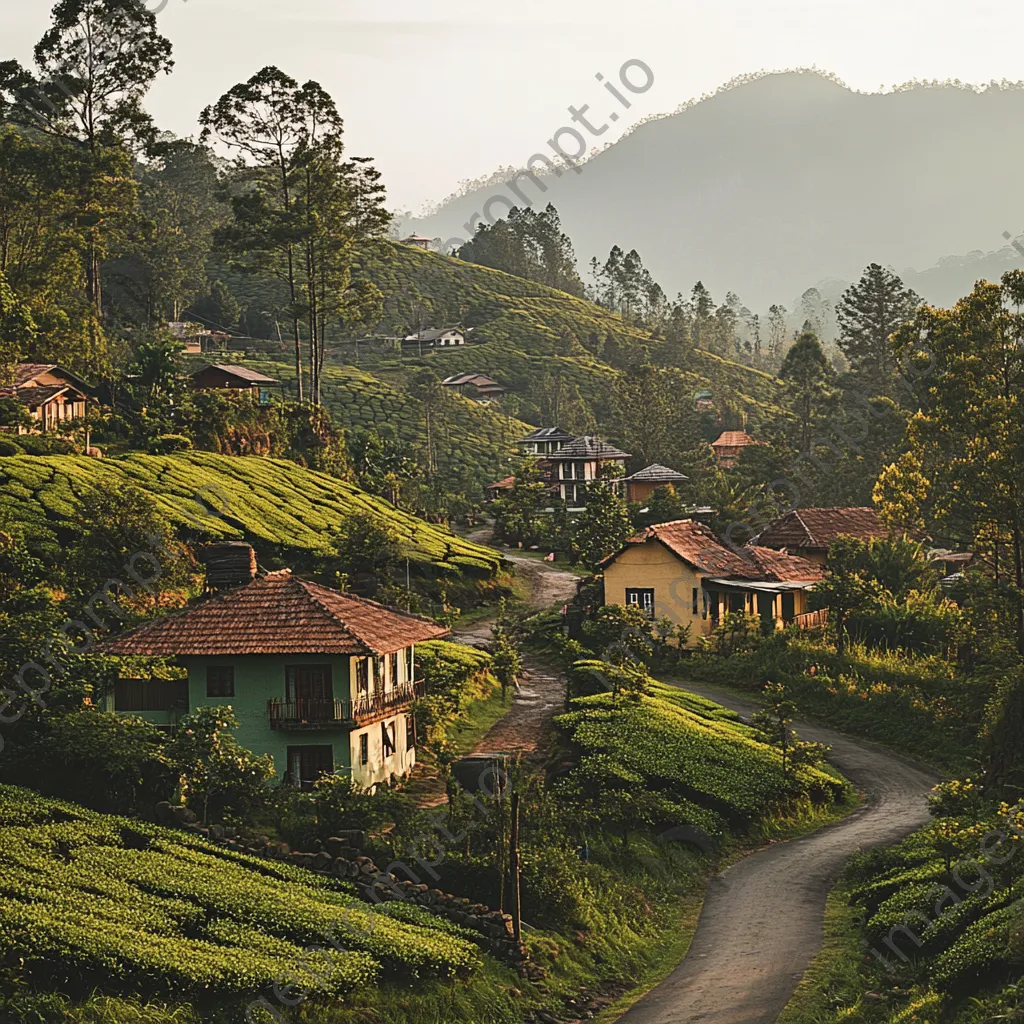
285 511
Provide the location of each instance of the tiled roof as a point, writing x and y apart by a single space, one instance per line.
504 485
734 439
279 614
782 566
588 447
697 545
24 372
547 434
657 474
242 372
816 528
33 397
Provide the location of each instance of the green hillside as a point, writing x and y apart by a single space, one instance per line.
518 328
93 903
519 324
285 511
674 757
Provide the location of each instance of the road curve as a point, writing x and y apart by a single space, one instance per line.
762 921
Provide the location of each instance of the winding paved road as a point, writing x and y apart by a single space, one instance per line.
762 921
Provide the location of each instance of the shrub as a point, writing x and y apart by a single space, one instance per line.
9 447
168 444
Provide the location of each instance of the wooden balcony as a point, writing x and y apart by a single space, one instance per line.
342 714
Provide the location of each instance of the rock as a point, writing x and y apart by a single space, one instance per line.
164 813
337 847
182 815
322 861
217 831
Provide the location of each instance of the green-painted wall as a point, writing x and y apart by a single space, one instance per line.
258 679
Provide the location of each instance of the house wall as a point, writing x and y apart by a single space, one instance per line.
652 565
640 490
262 678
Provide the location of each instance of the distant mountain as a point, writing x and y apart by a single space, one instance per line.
771 185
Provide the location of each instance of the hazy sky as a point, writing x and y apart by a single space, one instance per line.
449 89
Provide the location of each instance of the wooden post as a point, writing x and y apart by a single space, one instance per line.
517 910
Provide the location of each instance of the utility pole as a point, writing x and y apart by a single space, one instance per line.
517 910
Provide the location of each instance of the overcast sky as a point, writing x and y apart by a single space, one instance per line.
445 90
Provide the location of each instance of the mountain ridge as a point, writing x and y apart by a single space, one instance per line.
759 208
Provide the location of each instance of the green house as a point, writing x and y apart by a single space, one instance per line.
321 680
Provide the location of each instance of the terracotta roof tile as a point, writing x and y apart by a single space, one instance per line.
734 439
698 546
816 528
279 614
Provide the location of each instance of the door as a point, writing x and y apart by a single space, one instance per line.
788 607
766 611
307 764
311 690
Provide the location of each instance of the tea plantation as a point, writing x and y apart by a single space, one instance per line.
519 326
89 901
284 510
690 759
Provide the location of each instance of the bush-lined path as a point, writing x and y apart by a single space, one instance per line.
762 921
540 693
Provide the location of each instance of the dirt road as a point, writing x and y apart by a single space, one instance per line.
762 922
540 694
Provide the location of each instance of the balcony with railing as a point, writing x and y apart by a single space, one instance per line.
299 713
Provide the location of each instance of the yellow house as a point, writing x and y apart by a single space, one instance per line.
683 571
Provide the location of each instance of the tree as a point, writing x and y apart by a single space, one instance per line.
120 534
869 313
506 661
17 329
776 332
807 368
604 524
260 119
94 66
214 771
774 722
847 586
367 556
218 308
967 440
528 244
517 515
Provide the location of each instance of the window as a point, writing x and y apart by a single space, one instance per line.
364 748
306 683
220 680
151 695
642 597
695 600
387 738
363 676
378 674
307 764
393 668
410 732
409 664
705 612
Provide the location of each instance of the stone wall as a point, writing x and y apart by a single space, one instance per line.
342 857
